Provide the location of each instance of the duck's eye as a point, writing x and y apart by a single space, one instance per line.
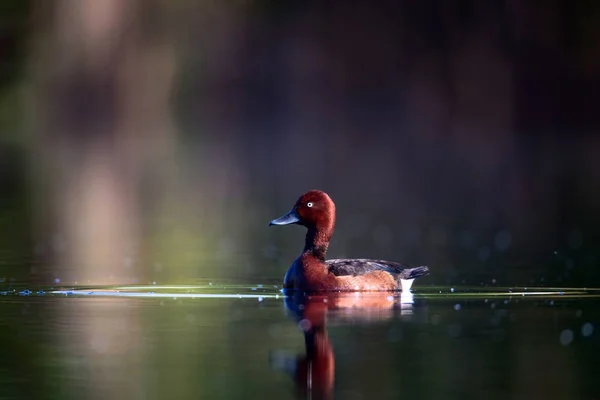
309 204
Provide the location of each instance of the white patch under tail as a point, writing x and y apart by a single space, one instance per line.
406 300
406 284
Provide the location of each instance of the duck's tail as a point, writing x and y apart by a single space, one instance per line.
414 273
410 274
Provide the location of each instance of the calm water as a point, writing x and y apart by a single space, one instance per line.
214 341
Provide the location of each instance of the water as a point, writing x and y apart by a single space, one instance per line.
250 341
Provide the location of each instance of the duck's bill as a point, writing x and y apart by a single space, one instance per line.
289 218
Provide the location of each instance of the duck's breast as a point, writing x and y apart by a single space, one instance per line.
291 279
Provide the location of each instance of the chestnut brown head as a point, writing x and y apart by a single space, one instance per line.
314 209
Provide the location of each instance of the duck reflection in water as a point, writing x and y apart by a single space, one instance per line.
314 372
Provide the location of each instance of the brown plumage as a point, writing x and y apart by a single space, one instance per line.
311 272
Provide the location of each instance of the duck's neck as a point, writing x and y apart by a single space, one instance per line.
317 240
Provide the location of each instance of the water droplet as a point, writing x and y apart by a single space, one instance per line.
494 281
566 337
587 329
305 325
502 240
56 280
452 290
456 307
390 298
270 251
260 299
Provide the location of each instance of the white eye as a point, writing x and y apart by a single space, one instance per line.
309 204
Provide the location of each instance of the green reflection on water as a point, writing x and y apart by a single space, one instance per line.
60 345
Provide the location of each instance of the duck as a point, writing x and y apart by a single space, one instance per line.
312 272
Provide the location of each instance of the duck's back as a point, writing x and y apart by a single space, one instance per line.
362 266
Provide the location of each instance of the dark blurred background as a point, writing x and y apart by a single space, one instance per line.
153 140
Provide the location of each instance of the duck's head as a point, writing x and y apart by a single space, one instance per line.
314 209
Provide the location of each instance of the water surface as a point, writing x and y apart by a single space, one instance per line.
214 340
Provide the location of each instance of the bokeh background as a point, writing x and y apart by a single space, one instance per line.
152 141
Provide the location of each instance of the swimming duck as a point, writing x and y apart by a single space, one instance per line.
313 273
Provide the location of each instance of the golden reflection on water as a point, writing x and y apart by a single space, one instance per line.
314 371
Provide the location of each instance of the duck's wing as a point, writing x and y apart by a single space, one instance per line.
361 266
